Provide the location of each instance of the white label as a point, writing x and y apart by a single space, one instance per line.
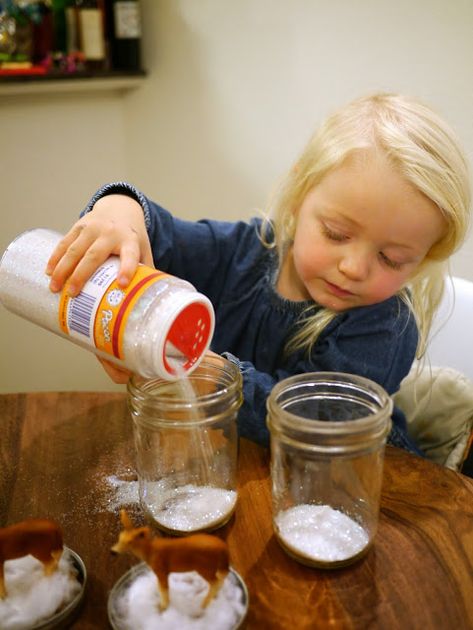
81 310
92 41
127 20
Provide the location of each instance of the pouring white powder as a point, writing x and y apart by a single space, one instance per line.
320 533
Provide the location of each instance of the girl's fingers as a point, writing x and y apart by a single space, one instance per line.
129 260
87 246
78 250
81 270
94 238
61 248
124 244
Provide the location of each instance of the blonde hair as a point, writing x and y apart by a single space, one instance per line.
424 150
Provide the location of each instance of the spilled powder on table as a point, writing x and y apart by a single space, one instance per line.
122 493
104 493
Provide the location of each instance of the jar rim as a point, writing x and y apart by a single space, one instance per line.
360 425
207 406
140 384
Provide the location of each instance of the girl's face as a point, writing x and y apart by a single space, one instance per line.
360 234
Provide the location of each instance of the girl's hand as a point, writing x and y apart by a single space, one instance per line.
214 358
122 376
115 226
117 374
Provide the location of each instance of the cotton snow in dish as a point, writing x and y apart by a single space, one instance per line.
33 596
138 607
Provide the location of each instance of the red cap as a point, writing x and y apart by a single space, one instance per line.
189 336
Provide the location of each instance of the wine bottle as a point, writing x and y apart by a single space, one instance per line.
72 31
43 32
90 22
125 34
59 22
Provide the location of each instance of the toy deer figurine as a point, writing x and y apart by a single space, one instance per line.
206 554
41 538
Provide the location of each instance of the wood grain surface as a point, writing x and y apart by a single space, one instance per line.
70 456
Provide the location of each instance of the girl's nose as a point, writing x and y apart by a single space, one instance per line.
354 265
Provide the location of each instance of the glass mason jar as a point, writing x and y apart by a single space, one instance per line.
328 433
186 444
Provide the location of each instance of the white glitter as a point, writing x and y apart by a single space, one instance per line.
137 607
125 493
318 532
24 287
188 508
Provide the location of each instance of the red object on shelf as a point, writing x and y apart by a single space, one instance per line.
23 71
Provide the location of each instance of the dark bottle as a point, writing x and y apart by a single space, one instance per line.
59 22
124 34
43 32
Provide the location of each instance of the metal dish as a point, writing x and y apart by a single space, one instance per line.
38 602
64 617
138 570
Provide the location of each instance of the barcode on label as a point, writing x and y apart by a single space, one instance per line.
81 312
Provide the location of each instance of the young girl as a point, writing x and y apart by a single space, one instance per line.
344 276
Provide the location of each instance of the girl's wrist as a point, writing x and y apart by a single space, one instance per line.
123 189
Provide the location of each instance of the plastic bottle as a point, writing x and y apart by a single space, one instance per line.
159 326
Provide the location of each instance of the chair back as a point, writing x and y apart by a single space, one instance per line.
451 340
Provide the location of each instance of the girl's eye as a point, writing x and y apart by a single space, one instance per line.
390 263
333 236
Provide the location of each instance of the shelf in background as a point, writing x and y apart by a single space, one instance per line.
23 85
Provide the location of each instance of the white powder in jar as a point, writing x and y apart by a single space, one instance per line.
189 508
320 533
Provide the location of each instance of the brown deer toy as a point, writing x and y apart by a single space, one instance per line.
206 554
39 537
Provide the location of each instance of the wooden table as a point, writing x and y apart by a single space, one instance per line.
69 456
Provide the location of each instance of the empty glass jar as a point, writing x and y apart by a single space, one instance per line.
328 432
186 446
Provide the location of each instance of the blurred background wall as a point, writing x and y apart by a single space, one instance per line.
233 91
